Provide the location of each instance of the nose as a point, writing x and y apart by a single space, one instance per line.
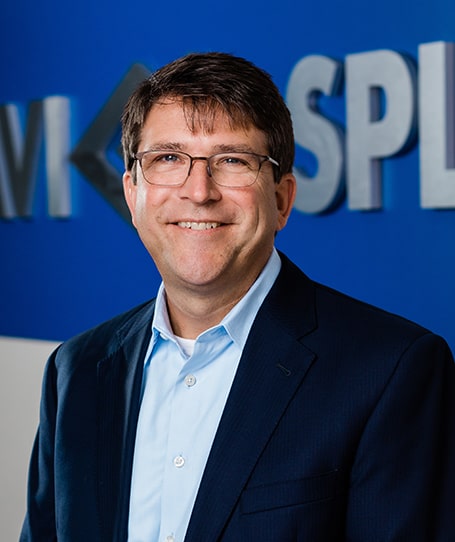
199 186
194 159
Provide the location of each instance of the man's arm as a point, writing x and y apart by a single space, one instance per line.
403 479
39 523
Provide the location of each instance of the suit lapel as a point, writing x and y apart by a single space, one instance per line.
272 367
119 378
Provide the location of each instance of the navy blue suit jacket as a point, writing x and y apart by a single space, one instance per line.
340 426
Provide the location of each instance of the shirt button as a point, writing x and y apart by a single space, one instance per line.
179 461
170 538
190 380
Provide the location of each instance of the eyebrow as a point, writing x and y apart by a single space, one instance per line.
165 146
223 147
241 147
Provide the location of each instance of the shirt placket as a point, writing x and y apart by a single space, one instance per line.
181 479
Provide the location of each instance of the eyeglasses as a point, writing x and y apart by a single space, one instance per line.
229 169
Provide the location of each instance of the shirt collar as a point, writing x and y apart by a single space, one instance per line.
240 318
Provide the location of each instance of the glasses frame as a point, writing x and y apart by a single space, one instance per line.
262 159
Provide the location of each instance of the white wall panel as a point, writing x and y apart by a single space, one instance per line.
21 368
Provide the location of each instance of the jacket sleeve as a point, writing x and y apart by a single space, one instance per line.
403 479
39 523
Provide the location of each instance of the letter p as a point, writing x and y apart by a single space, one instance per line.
381 120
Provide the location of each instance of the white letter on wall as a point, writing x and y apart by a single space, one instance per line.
57 138
370 135
311 76
437 124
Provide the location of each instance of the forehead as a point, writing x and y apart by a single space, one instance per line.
173 119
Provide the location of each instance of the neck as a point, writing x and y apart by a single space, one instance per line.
191 315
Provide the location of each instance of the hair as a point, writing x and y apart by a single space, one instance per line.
208 84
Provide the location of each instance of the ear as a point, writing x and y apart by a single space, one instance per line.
285 192
130 192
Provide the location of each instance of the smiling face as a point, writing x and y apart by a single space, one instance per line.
206 240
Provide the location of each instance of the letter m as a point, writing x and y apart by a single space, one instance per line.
19 155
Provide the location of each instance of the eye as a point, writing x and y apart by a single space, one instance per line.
164 161
167 158
233 161
236 160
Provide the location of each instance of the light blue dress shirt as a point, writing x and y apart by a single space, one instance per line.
185 388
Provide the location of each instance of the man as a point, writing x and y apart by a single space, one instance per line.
245 403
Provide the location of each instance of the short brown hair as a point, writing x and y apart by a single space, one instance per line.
208 83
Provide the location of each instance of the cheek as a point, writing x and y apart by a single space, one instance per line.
267 210
147 209
260 217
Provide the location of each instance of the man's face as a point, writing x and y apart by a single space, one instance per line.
205 238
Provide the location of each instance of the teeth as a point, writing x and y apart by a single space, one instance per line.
199 225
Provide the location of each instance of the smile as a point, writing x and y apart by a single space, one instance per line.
199 225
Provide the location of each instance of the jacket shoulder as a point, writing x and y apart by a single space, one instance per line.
107 337
357 314
340 316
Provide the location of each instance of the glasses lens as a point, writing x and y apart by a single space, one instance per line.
235 169
165 167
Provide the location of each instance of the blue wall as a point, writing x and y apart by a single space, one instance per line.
58 277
